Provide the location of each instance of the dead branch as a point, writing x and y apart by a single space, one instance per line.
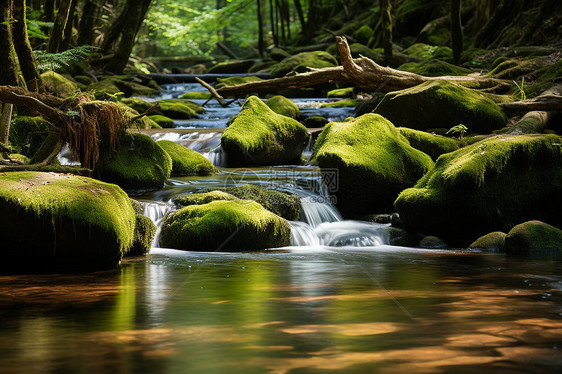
145 113
213 92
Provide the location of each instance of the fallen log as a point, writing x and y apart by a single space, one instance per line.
540 103
362 72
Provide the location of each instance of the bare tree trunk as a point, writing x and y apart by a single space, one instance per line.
65 43
5 120
300 13
386 22
90 16
8 74
261 44
456 30
57 34
116 28
23 48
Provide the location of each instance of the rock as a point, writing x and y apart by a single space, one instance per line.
186 161
487 186
434 68
107 88
346 92
27 134
196 96
363 34
492 242
142 123
234 81
371 161
137 104
179 109
433 145
76 223
357 50
402 238
432 242
58 84
231 67
140 164
315 122
278 54
259 136
346 103
187 199
239 225
162 121
511 69
302 62
534 239
441 104
145 230
281 105
427 52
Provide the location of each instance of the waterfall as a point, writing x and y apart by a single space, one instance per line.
302 234
317 209
206 143
156 212
339 234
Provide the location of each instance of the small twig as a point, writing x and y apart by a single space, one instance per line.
146 113
213 92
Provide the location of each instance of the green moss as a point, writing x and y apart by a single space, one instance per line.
492 242
511 69
348 103
145 230
374 162
301 63
137 104
140 164
433 145
19 157
363 34
58 84
278 54
283 204
137 207
77 223
534 239
346 92
433 68
104 89
162 121
315 122
202 198
27 134
441 104
281 105
196 96
84 79
544 78
427 52
234 81
259 136
357 50
186 161
240 225
141 123
487 186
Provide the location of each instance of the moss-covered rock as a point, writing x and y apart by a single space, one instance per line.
278 54
27 134
259 136
141 123
346 92
434 68
315 122
162 121
186 161
281 105
77 223
427 52
363 34
196 96
491 242
431 144
137 104
140 164
109 87
511 69
145 230
347 103
357 50
104 89
283 204
544 78
534 239
301 63
238 225
59 84
202 198
234 81
441 104
487 186
179 109
374 162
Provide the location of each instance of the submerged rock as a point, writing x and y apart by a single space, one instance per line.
302 62
239 225
61 222
437 104
139 164
534 239
186 161
487 186
258 136
281 105
370 161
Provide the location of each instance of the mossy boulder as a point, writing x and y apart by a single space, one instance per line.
104 89
234 81
259 136
140 164
187 199
179 109
511 69
302 62
315 122
59 84
427 52
491 242
27 134
137 104
281 105
371 161
357 50
141 123
283 204
363 34
238 225
434 68
145 230
186 161
346 103
196 96
278 54
77 223
346 92
437 104
534 239
487 186
162 121
431 144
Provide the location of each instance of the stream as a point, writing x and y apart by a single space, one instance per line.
340 299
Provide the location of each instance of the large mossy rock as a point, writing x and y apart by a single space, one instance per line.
238 225
371 161
281 105
145 230
431 144
61 222
186 161
258 136
487 186
437 104
59 84
534 239
491 242
140 164
302 62
171 108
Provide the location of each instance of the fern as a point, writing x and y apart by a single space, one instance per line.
53 61
34 29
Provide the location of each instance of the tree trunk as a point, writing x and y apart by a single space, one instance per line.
129 33
49 11
57 34
456 30
90 16
386 22
5 120
300 13
116 28
261 44
65 43
8 74
23 48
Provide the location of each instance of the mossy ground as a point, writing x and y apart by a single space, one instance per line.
140 164
434 68
373 160
281 105
186 161
77 223
259 136
487 186
239 225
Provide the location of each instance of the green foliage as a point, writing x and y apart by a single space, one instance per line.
520 93
53 61
458 130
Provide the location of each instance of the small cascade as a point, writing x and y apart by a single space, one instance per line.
66 157
156 212
317 210
352 234
206 143
302 234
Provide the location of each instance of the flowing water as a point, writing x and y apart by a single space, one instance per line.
339 300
